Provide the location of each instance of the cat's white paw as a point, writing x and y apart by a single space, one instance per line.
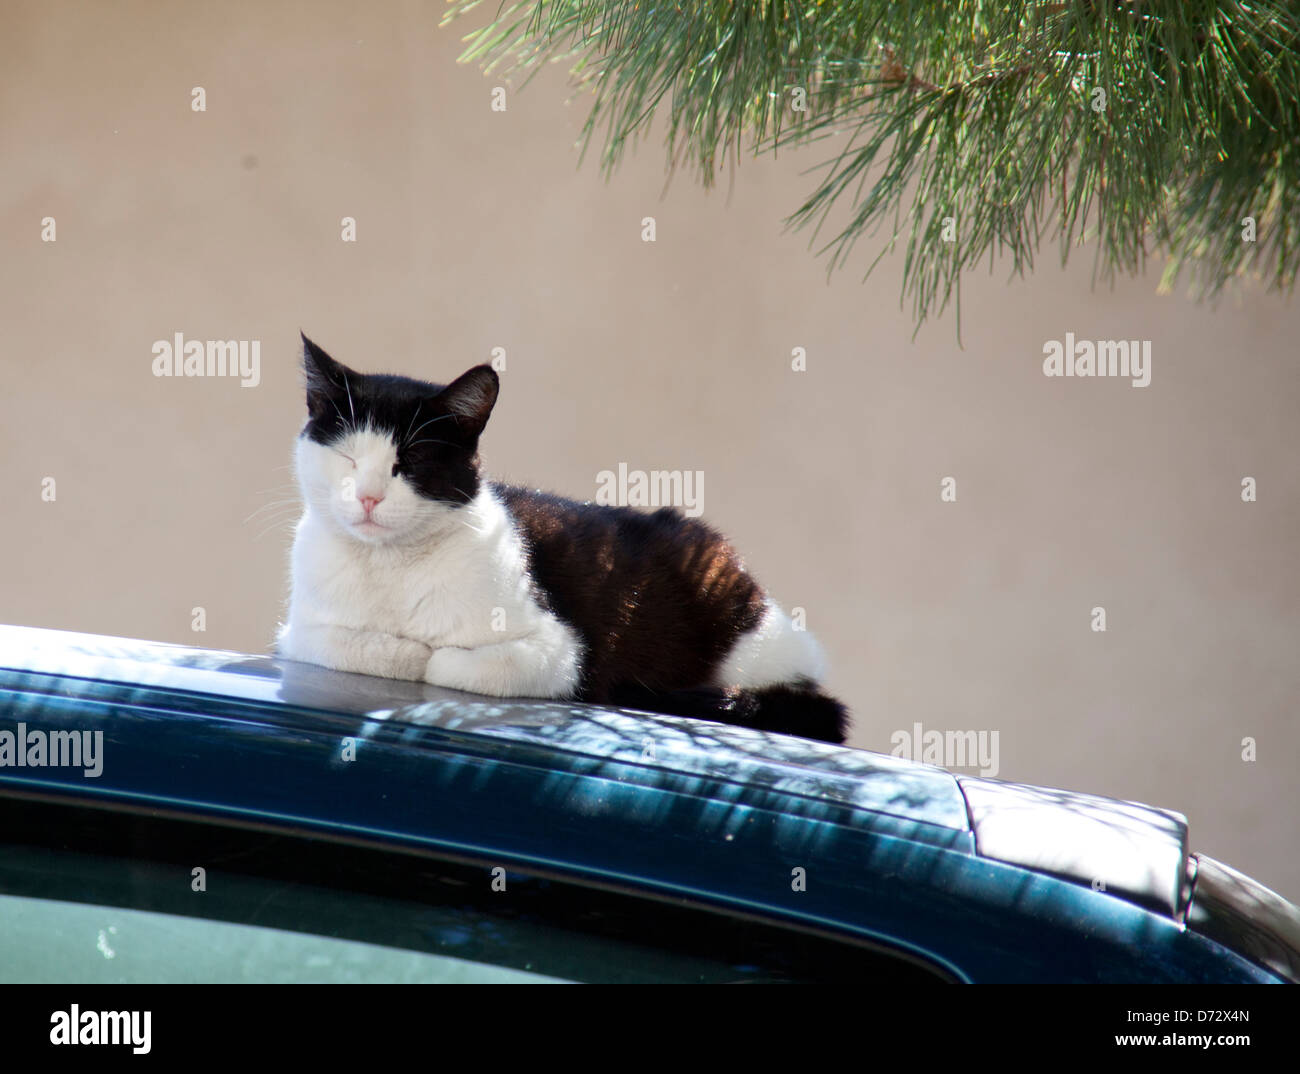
521 667
363 651
408 659
454 668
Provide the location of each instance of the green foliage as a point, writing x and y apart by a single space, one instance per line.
1152 127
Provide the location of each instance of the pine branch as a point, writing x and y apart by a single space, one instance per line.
965 130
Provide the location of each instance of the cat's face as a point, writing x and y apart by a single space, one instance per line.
387 459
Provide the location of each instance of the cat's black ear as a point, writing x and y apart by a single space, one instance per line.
326 378
471 397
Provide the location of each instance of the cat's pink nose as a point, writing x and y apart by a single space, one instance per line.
369 503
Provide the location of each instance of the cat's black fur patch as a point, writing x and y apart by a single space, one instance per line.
658 599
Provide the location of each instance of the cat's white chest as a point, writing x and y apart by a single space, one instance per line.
469 588
407 593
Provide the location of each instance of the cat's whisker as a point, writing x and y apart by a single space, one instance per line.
273 526
275 516
289 506
283 492
440 417
407 435
274 523
342 420
471 527
348 388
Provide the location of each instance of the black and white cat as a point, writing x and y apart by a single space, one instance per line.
408 563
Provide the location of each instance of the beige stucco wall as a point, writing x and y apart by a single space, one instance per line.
477 230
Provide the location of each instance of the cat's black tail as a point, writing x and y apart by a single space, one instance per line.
790 709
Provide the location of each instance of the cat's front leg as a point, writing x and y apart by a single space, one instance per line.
521 667
364 651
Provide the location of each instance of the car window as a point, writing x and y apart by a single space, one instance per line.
95 895
47 942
